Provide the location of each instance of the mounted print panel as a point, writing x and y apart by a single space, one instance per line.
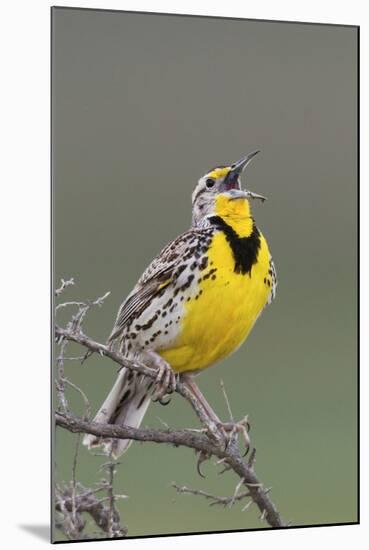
204 175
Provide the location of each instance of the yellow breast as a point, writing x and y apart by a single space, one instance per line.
228 304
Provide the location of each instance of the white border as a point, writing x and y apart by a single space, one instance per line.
25 264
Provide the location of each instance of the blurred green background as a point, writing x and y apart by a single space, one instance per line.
143 105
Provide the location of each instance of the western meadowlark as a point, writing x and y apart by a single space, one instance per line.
196 302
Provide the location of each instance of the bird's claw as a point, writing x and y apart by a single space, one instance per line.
166 381
161 400
229 429
203 456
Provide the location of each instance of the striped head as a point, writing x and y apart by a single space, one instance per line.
219 192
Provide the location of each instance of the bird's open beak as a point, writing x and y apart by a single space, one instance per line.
238 167
232 181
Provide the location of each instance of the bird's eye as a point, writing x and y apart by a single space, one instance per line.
210 183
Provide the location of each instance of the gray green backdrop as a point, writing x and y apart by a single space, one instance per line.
143 105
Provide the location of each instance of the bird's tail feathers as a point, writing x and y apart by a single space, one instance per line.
126 404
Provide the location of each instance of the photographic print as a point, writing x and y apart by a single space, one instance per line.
204 182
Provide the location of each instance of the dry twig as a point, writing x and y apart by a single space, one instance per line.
64 284
224 501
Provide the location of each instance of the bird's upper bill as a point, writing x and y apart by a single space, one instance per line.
231 178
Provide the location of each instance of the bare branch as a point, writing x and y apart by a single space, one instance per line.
64 284
184 438
206 442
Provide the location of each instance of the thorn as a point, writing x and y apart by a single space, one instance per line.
247 506
238 487
226 468
164 423
226 400
86 356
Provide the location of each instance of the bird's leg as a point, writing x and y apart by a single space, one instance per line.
227 429
190 383
166 378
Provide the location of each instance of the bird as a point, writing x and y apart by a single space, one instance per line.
194 305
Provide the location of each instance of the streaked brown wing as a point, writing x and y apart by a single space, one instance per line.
157 275
137 301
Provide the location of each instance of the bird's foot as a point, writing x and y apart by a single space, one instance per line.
166 378
229 429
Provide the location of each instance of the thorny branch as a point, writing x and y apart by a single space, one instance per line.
204 442
72 503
